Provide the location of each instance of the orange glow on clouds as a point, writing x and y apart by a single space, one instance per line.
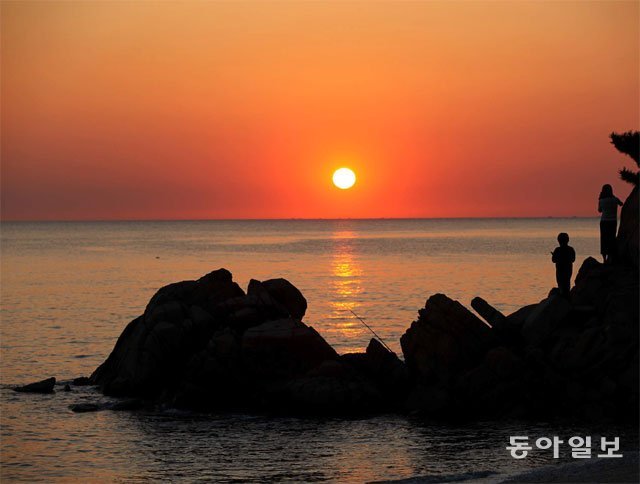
163 110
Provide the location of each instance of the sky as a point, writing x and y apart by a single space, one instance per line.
208 110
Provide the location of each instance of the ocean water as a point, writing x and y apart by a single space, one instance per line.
69 288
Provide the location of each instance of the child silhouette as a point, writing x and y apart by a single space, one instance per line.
563 257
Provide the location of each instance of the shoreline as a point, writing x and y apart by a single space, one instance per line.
595 470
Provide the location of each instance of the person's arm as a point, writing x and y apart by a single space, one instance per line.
553 256
600 206
573 255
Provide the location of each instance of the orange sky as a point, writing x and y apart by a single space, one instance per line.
123 110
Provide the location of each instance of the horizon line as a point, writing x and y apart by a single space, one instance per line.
290 219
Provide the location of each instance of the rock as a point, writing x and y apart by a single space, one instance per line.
43 386
628 378
589 282
627 239
213 288
288 296
214 378
490 314
81 381
544 319
330 389
516 319
383 369
67 388
445 340
577 350
246 317
254 370
206 345
154 349
85 407
283 348
276 298
574 360
124 405
260 299
330 369
432 401
504 363
388 372
493 388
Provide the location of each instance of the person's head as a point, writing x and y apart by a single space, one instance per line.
563 238
607 191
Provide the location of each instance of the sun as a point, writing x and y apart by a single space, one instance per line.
344 178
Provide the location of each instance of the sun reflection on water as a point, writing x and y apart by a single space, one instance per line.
346 284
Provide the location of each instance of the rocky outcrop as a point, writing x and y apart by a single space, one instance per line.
445 340
155 348
287 295
628 232
207 345
385 371
283 348
545 317
575 358
554 359
43 386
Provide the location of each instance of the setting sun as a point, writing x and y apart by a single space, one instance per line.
344 178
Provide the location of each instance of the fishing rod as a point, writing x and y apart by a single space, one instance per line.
370 329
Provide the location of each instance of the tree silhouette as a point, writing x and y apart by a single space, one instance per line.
629 144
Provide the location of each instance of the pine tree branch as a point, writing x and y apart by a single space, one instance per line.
629 176
627 143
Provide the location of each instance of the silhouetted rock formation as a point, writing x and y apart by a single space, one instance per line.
553 359
207 345
44 386
628 233
446 340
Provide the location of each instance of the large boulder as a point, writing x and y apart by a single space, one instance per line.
276 298
544 319
384 370
516 319
332 388
589 282
387 370
283 348
628 232
494 387
154 348
288 296
611 290
270 367
213 378
445 340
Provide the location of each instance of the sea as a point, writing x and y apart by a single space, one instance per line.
68 289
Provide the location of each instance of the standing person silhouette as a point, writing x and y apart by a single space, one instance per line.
608 206
563 257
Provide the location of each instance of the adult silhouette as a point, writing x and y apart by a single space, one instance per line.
608 206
